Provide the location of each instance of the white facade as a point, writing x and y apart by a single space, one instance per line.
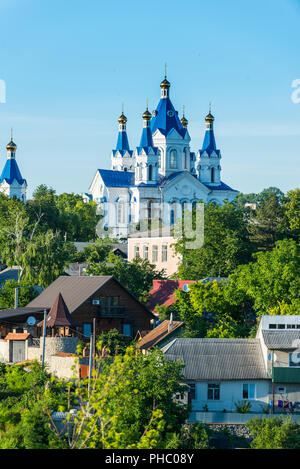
11 182
161 171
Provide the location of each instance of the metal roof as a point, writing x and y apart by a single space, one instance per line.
281 339
218 359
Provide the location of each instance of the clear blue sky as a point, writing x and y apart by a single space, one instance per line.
69 65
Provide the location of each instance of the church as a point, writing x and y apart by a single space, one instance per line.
12 183
161 174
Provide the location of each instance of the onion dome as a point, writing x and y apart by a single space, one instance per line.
209 117
184 121
147 115
165 84
122 119
11 146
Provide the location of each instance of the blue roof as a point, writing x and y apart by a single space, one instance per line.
166 119
112 178
11 172
122 144
146 142
221 187
209 143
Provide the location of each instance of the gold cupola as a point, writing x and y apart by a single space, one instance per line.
183 120
122 119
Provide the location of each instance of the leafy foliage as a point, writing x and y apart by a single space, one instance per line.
274 433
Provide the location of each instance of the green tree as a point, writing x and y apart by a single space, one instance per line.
266 224
272 278
113 342
130 404
274 433
7 294
137 276
226 244
292 213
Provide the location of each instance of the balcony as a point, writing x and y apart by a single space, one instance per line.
286 374
112 311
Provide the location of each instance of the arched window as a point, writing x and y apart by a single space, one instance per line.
121 211
173 159
159 159
150 171
186 158
212 175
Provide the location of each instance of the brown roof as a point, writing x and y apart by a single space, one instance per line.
158 334
17 336
75 291
59 315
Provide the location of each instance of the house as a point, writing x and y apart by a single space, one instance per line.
102 298
222 372
264 371
280 342
161 335
163 292
156 246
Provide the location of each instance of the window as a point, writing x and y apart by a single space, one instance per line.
281 326
213 392
291 326
121 212
146 252
212 174
150 172
164 254
272 326
173 159
127 329
96 302
192 390
136 252
248 391
155 254
87 330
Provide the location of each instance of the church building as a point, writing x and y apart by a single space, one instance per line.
162 171
12 183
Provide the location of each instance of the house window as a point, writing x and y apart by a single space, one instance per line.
248 391
213 392
272 326
173 159
127 329
136 252
155 254
87 330
146 252
164 254
192 390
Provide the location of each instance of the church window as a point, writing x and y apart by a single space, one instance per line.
159 159
185 156
212 174
150 172
173 159
121 212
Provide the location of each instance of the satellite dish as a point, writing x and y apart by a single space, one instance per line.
31 321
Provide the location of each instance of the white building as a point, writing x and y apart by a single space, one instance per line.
11 182
162 171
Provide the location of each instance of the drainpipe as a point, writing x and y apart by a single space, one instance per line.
273 390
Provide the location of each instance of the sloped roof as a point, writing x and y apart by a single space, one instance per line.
166 118
59 315
11 172
113 178
280 339
218 359
17 336
163 292
75 291
158 334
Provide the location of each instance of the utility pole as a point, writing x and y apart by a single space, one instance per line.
94 339
16 297
90 363
44 339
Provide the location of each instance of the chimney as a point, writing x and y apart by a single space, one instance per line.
170 326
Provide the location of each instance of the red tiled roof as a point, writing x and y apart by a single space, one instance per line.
158 334
162 292
17 336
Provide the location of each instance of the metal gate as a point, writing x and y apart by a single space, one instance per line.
18 351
